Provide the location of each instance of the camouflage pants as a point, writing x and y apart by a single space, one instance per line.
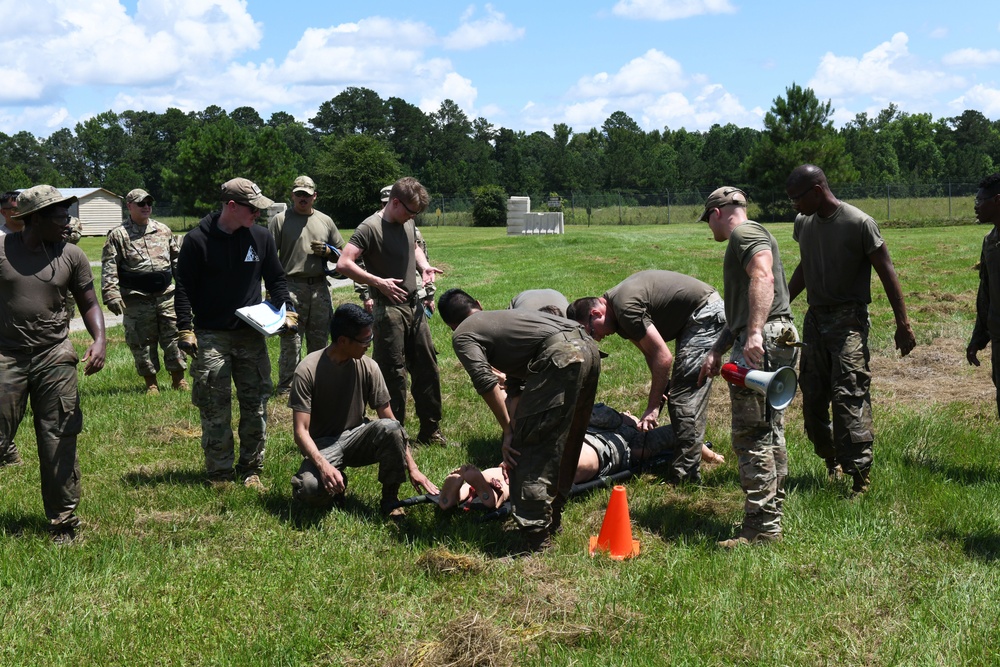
381 442
402 345
315 310
759 437
834 372
687 402
225 358
48 378
550 422
149 320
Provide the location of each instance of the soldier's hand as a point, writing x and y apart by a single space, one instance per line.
322 249
116 306
905 340
187 342
291 321
972 355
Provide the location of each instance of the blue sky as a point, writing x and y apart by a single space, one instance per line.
522 65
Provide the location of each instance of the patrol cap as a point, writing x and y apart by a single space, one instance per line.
38 197
724 196
138 196
384 193
304 184
243 191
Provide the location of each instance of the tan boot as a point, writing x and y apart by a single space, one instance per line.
152 389
178 380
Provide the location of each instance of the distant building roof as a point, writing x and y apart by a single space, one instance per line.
79 193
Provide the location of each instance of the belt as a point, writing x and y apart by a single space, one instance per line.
780 318
574 334
837 307
307 281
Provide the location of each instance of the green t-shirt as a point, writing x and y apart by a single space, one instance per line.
339 391
387 249
33 290
293 233
665 299
746 241
835 252
503 339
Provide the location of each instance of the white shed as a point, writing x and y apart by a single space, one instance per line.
99 210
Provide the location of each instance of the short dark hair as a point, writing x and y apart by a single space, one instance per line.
10 195
348 320
455 305
579 310
991 184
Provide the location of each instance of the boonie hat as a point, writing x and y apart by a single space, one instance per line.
305 184
137 196
724 196
384 193
243 191
35 199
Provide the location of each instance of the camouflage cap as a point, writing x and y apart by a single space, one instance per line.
304 184
242 191
138 195
384 193
724 196
35 199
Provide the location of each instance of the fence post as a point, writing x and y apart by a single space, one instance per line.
949 201
668 207
888 208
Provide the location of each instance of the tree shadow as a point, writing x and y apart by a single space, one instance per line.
980 545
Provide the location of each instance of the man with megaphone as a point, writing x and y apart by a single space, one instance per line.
760 331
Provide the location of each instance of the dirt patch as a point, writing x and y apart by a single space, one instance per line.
935 373
174 433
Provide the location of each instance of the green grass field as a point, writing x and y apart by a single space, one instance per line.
168 571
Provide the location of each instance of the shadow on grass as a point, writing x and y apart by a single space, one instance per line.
973 474
20 525
980 545
189 477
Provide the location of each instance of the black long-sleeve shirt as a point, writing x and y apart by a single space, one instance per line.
219 272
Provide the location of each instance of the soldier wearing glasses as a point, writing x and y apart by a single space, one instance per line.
137 281
219 270
341 381
38 269
8 205
386 242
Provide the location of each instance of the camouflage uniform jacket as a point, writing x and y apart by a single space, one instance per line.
148 249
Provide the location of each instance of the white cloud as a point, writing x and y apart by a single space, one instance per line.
650 73
711 105
939 33
95 42
888 71
972 58
981 98
588 114
669 10
473 34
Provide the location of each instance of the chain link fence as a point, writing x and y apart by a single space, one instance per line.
902 204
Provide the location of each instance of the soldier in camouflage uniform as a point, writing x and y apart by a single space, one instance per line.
219 270
552 368
75 233
760 330
424 292
304 237
137 269
839 246
37 359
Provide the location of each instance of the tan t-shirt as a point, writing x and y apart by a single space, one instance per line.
665 299
746 241
387 249
293 233
33 290
339 392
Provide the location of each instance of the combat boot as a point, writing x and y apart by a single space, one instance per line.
178 381
747 536
152 389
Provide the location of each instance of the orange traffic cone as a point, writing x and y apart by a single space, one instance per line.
616 531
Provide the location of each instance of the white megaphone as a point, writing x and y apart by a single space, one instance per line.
778 387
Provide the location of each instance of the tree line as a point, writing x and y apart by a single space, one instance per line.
357 142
